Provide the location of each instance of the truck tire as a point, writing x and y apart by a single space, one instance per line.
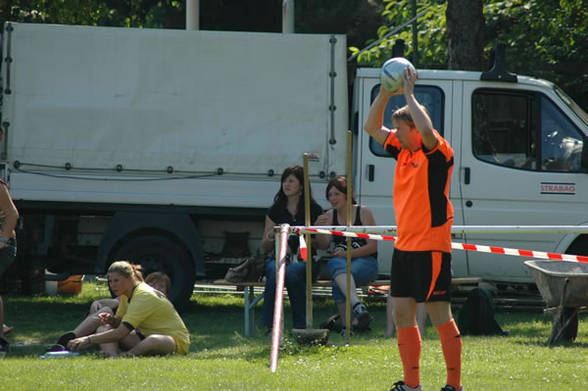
160 253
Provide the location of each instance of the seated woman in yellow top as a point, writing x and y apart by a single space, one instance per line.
145 321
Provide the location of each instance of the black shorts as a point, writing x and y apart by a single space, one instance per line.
422 275
7 256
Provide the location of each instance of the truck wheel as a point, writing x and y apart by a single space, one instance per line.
159 253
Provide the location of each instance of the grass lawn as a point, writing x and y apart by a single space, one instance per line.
221 358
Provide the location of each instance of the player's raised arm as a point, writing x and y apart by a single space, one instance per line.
374 124
421 119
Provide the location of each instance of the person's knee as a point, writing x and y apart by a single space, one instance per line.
439 312
106 310
336 266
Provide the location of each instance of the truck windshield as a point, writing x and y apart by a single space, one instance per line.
572 105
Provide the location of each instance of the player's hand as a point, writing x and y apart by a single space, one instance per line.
385 94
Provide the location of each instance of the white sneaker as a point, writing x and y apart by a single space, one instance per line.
401 386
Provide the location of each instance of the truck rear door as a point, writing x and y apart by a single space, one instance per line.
519 165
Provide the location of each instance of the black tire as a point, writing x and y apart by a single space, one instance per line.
160 253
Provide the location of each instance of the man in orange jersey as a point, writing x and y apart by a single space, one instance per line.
421 264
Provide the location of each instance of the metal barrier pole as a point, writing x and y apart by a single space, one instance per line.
349 223
279 302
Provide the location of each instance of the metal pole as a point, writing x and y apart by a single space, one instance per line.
466 229
279 302
307 222
288 16
192 14
349 197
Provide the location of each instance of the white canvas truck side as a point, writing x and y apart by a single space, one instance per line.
165 146
152 145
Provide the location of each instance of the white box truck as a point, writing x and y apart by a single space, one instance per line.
160 146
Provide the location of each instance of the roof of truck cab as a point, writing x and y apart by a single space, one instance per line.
439 74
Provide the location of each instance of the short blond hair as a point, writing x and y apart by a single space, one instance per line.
403 114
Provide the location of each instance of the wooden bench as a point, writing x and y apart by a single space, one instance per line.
250 300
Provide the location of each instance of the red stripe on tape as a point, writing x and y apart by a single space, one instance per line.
526 253
555 256
385 237
467 246
497 250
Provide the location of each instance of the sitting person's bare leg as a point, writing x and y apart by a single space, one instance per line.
109 349
153 344
91 323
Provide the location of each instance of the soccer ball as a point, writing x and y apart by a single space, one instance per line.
392 74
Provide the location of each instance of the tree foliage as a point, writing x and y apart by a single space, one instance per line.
545 38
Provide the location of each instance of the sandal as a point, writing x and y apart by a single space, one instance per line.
363 316
65 338
332 323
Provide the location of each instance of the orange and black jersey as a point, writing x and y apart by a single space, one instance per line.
424 213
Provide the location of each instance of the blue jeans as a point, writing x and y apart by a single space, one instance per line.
363 270
295 281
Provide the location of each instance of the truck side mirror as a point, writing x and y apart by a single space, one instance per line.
584 158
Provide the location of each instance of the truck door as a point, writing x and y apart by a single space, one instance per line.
520 165
376 167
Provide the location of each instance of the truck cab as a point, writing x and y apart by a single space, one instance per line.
520 159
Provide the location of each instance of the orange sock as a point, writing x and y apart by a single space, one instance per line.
409 345
451 345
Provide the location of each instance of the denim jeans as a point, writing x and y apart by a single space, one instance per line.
363 270
295 281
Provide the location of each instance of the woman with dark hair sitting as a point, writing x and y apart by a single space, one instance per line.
288 208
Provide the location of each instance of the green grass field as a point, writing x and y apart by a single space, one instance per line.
221 358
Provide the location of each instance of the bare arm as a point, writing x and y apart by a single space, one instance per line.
268 240
374 124
113 335
10 212
322 242
421 120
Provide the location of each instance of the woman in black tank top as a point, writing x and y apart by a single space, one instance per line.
288 208
364 263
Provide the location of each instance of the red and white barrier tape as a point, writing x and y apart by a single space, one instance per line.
458 246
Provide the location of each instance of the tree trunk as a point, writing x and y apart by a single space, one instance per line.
465 33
